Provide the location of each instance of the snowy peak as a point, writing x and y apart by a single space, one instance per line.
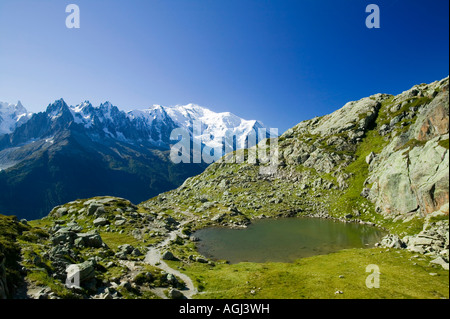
12 116
151 127
202 123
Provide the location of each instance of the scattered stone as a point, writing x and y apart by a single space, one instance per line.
136 252
126 284
175 294
365 192
370 157
194 238
120 222
171 279
89 239
93 208
201 260
167 255
100 221
440 261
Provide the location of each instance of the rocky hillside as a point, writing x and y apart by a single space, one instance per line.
382 160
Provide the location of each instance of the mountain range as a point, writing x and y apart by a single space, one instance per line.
69 152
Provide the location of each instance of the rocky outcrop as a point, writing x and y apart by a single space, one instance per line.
354 118
411 173
433 240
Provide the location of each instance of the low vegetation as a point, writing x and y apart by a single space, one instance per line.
402 275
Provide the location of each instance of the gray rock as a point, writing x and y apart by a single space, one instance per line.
60 212
74 227
365 192
126 248
100 221
121 255
136 252
440 261
167 255
120 222
416 249
194 238
370 158
63 236
201 260
126 284
421 241
172 279
100 211
175 294
93 208
89 239
392 241
171 221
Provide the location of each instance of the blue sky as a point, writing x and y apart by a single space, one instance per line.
280 61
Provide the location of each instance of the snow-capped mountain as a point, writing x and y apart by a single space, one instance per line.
70 152
204 126
149 126
12 116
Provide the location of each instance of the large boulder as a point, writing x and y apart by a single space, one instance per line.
175 294
63 236
167 255
89 239
100 221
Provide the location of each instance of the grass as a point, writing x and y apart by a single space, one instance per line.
115 239
10 230
402 276
42 278
351 198
444 143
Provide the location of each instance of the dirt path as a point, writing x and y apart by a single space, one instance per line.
153 257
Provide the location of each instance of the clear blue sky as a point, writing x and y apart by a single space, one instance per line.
280 61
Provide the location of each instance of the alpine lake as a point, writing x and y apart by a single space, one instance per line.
284 239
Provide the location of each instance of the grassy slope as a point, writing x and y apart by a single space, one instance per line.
10 230
402 276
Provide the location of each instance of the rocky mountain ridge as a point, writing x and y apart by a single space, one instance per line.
12 116
70 152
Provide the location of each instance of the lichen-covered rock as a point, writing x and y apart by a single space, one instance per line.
412 172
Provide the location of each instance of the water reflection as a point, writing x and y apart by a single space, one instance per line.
284 239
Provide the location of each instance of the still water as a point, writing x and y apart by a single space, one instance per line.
284 239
